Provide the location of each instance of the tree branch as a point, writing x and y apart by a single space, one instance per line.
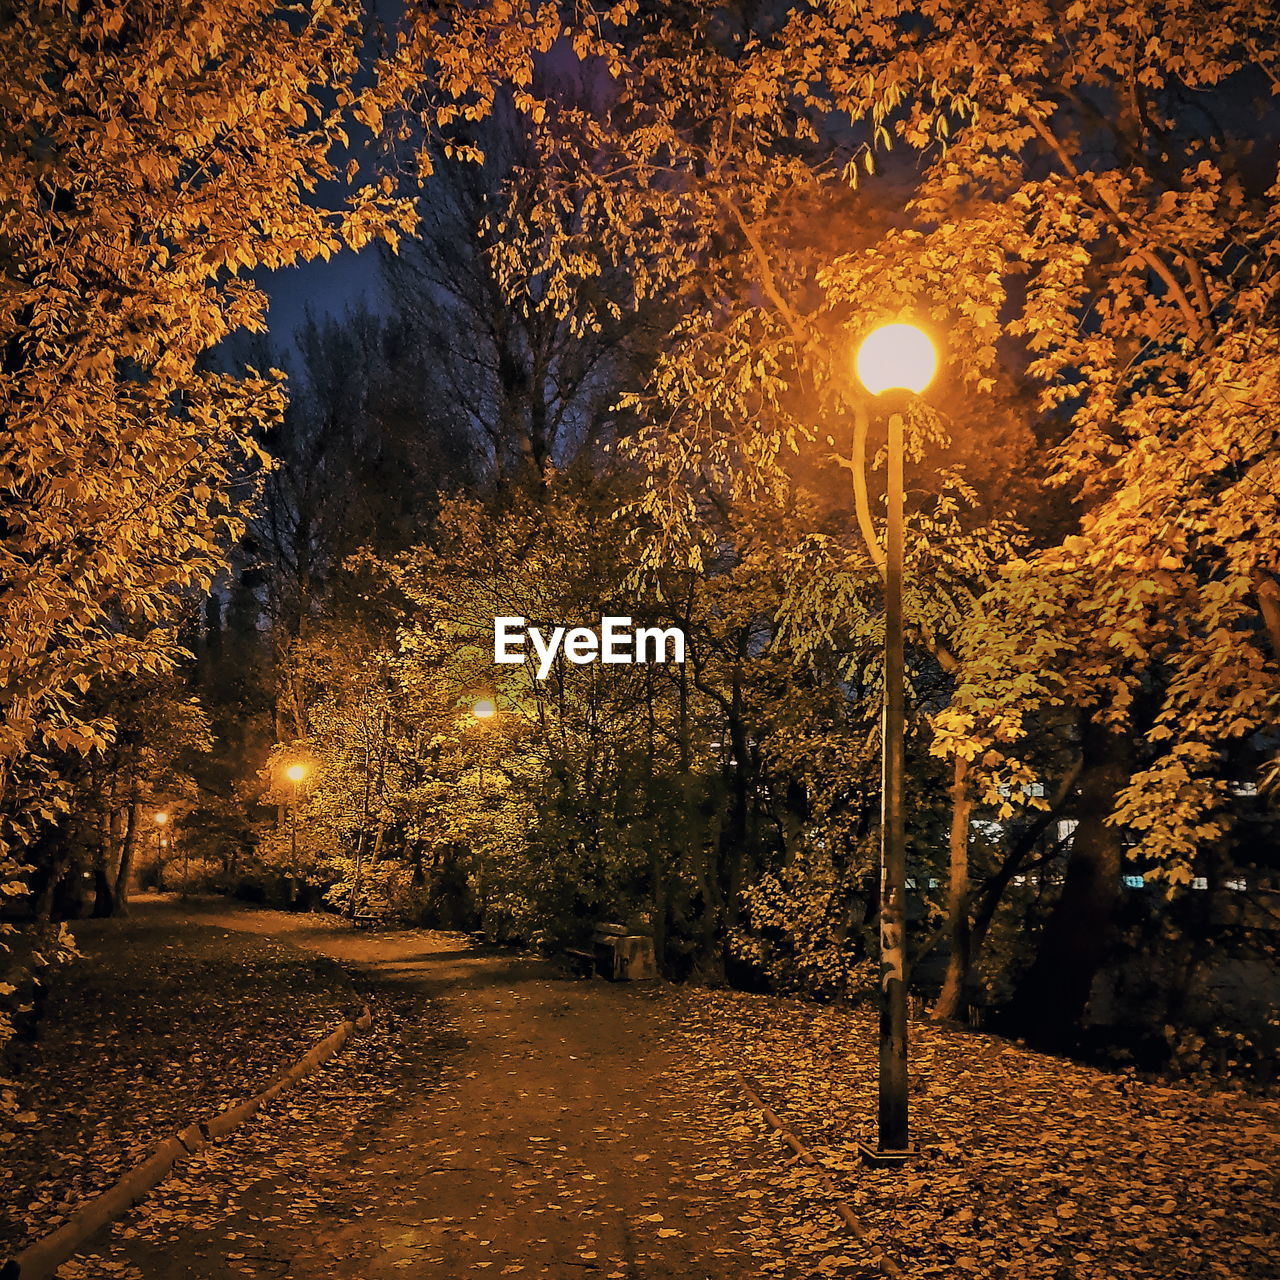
1268 595
1201 325
768 281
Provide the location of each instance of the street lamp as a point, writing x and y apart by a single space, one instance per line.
160 818
482 709
901 360
896 357
295 773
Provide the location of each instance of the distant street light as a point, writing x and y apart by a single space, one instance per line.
160 817
896 358
295 773
482 709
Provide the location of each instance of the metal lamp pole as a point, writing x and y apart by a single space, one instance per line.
483 710
160 818
295 773
898 359
893 1133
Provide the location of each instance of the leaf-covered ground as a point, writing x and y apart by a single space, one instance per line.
503 1121
498 1120
1029 1167
158 1024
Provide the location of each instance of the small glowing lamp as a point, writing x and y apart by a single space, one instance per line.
484 709
161 818
296 772
896 357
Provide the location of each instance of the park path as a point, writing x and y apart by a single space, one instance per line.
524 1129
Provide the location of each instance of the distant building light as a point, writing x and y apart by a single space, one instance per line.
1005 790
933 884
1238 884
1200 882
1019 879
1134 882
1067 828
1243 788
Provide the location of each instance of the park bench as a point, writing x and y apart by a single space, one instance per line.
616 953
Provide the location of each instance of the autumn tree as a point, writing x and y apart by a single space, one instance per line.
154 156
1071 198
528 371
676 792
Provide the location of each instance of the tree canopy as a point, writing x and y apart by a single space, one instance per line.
629 253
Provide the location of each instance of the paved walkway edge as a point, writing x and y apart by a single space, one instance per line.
880 1260
40 1260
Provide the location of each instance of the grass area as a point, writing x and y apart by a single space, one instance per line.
158 1024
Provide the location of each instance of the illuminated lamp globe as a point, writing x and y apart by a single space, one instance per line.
484 709
161 818
296 772
896 357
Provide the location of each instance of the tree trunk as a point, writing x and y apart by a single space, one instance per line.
127 852
1268 595
951 1001
657 860
353 897
104 856
994 890
103 904
1051 998
734 846
52 853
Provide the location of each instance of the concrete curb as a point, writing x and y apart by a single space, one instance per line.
878 1258
40 1260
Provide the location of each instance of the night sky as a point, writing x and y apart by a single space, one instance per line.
346 280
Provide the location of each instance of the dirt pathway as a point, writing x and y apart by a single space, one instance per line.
500 1120
523 1128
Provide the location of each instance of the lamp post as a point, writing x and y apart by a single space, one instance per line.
483 710
897 359
295 773
160 817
